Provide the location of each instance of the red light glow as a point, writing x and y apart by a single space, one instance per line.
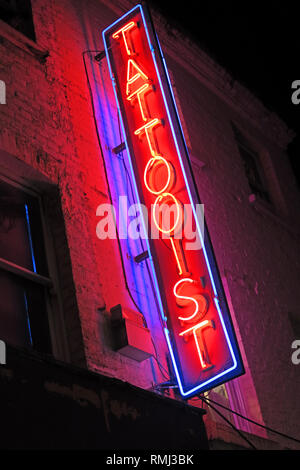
199 342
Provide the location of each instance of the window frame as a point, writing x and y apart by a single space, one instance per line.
6 5
260 171
53 302
243 143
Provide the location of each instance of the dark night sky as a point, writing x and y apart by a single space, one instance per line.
257 42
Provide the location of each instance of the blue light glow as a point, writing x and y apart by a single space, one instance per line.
27 317
230 369
30 238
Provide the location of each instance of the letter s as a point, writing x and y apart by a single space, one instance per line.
200 302
296 354
296 94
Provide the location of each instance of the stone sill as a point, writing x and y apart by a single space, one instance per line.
22 42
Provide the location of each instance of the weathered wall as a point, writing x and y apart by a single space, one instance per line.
257 252
48 124
45 404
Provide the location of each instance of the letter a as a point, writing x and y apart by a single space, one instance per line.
134 72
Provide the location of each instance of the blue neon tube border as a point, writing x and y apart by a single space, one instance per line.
227 371
167 334
30 238
130 161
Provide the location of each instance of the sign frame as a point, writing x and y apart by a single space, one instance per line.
236 369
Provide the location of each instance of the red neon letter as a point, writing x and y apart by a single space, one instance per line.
152 167
140 95
197 332
148 129
124 30
179 256
134 72
200 302
166 224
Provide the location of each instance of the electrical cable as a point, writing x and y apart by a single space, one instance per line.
230 424
161 368
106 177
267 428
204 400
133 197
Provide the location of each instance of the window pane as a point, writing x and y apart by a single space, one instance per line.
23 317
18 14
21 238
255 178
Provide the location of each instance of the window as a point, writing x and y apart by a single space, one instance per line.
24 277
18 14
253 168
229 396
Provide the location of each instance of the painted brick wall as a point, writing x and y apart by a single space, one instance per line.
48 125
257 254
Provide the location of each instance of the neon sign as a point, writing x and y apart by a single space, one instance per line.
192 304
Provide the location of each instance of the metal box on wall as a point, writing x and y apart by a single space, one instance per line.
131 336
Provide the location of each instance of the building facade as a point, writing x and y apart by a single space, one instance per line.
60 280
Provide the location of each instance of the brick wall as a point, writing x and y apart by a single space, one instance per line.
47 126
256 252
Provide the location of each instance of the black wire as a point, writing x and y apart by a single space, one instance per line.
252 421
163 371
230 424
133 197
127 286
160 366
107 182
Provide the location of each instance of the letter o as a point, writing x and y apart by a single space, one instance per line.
151 168
178 207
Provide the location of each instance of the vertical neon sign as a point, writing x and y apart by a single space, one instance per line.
193 307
